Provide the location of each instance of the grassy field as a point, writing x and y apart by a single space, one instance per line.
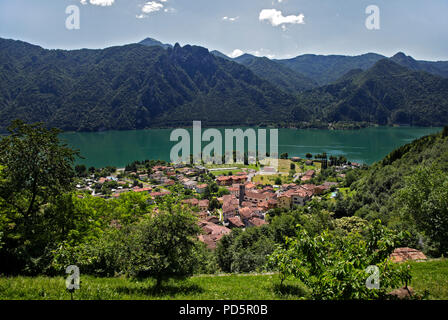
270 179
237 287
283 169
226 171
284 166
432 276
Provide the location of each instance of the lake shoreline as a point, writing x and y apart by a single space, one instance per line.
366 146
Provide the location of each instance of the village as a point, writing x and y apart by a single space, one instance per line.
223 198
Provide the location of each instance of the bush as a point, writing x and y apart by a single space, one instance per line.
160 245
335 267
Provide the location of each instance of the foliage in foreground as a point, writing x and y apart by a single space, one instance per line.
425 203
35 169
430 275
335 267
160 245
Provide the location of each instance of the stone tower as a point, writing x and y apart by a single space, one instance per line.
242 192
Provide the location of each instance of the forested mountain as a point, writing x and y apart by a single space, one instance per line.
387 93
276 73
327 69
220 54
435 67
407 189
150 42
132 87
153 85
381 181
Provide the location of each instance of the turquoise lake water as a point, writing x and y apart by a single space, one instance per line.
118 148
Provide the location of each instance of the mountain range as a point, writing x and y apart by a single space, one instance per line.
151 84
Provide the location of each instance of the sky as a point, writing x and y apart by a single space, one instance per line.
273 28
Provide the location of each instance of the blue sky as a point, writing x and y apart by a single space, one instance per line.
286 28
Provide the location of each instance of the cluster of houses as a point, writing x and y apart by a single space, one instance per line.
164 176
247 203
245 206
308 175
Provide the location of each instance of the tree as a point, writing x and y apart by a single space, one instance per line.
163 245
425 203
308 155
292 166
284 156
278 181
81 170
214 204
206 194
334 267
245 251
445 131
292 173
37 168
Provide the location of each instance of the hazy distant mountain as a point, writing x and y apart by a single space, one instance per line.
327 69
387 93
220 55
437 67
276 73
132 87
149 42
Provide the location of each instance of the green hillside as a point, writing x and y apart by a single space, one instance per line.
132 87
276 73
385 94
327 69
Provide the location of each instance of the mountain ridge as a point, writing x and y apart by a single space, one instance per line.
132 87
139 86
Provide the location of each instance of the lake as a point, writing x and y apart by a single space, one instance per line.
118 148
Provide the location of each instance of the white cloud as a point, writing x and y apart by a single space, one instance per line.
154 6
151 6
262 53
103 3
236 53
276 18
230 19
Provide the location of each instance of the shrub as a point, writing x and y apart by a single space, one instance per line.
335 267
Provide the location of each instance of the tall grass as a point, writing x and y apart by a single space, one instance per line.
431 276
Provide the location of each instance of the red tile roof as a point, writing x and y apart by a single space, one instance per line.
236 222
257 222
203 203
403 254
192 201
137 189
160 194
245 212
